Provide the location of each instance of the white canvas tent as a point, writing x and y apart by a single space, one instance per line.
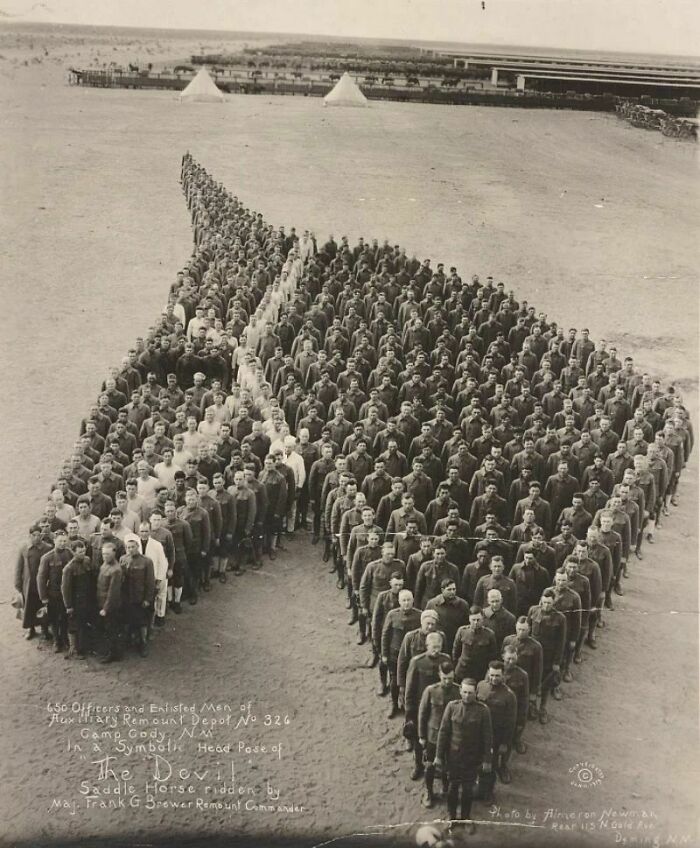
345 93
202 89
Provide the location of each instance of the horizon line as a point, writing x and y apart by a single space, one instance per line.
18 19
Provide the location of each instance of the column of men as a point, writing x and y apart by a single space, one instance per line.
468 469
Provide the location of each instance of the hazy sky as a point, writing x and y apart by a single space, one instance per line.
657 26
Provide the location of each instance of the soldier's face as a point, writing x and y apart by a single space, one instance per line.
446 678
467 692
496 676
433 644
450 592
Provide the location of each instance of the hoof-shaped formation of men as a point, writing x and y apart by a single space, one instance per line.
477 478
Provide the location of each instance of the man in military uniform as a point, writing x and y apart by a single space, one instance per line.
422 671
548 626
568 602
503 706
387 600
530 580
474 647
376 579
529 659
139 587
412 645
397 623
496 580
473 573
78 588
452 611
200 526
432 573
244 513
181 534
497 617
590 569
109 602
517 680
363 556
430 711
26 571
359 535
49 578
581 585
612 540
465 743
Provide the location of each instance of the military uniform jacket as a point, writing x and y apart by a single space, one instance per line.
429 580
397 623
415 561
503 706
243 513
26 572
465 738
376 579
550 631
590 569
78 585
387 601
529 583
473 650
200 526
473 573
518 682
432 707
361 559
109 588
529 659
139 582
412 645
502 622
422 671
358 539
580 584
569 603
50 574
182 538
505 586
451 616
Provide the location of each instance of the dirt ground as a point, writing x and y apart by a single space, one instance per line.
581 214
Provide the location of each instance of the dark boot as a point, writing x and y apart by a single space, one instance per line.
362 629
72 647
143 642
503 770
383 687
427 799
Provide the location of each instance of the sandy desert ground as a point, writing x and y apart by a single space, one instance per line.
581 214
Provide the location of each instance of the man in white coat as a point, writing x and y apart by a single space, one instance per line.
296 462
154 550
